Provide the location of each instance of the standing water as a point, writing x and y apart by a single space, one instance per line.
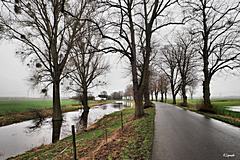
233 108
21 137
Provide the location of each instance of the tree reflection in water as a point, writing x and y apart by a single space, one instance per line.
40 122
104 107
37 124
83 121
117 105
61 129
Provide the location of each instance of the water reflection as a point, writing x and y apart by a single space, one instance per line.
20 137
117 105
104 107
83 121
36 125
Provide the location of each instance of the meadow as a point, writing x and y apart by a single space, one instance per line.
8 105
218 104
220 107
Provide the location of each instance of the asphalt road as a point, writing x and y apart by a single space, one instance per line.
184 135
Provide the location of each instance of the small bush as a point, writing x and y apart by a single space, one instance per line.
204 108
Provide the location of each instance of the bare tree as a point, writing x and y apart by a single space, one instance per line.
158 83
120 32
153 83
153 90
156 15
86 64
216 24
131 19
186 58
163 84
47 36
169 66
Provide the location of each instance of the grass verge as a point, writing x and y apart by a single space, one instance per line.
36 109
139 144
133 142
220 107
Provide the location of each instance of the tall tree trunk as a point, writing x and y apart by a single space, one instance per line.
139 109
156 96
173 93
207 79
165 97
147 101
162 96
137 91
206 93
146 73
57 111
148 50
184 96
85 99
147 98
174 99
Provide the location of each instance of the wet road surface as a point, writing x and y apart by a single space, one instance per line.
185 135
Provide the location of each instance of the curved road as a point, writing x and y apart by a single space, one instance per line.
185 135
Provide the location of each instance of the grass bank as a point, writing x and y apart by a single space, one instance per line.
220 107
13 111
133 142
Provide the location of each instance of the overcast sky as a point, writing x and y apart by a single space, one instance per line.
14 74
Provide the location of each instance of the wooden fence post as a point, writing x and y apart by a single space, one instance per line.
106 135
122 120
74 143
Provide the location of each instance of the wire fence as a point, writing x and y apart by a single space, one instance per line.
106 134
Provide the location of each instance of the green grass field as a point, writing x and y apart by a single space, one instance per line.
190 101
220 105
217 103
225 102
22 105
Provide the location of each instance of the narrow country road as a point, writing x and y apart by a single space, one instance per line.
184 135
